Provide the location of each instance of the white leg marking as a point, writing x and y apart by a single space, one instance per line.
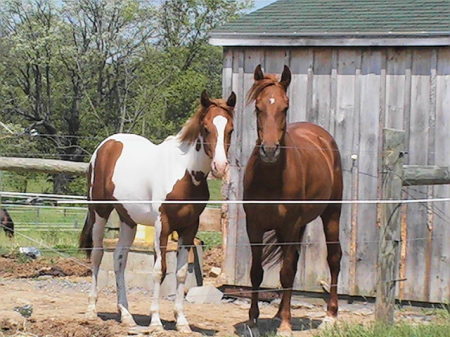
126 238
182 269
96 259
220 158
155 323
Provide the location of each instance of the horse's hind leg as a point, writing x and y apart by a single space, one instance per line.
96 258
287 275
330 219
126 238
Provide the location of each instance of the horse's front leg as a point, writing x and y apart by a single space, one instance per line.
126 238
185 242
159 269
256 272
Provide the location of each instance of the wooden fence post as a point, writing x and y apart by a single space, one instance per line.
389 234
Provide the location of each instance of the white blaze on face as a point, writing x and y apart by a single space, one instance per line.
220 161
272 100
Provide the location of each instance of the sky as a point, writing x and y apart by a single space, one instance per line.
261 3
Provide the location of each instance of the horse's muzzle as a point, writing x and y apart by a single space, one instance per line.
269 154
219 169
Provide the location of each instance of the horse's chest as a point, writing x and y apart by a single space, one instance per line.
192 186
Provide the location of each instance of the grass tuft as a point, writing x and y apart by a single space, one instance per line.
398 330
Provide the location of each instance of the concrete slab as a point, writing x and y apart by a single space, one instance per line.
139 272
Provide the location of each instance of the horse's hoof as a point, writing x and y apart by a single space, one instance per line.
328 322
128 321
155 328
137 331
284 333
251 330
184 328
90 315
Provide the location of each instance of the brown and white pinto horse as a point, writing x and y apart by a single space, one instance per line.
298 161
130 167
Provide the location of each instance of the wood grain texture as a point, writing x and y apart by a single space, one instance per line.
389 233
42 165
355 92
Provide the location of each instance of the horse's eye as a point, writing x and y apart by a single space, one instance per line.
205 129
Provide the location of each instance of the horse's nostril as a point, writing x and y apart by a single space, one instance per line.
263 149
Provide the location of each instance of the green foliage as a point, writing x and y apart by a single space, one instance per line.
77 71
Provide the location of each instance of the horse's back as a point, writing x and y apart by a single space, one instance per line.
120 157
121 169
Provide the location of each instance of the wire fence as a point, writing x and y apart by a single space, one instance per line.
75 226
67 252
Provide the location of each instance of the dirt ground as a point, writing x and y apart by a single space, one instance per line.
59 304
12 267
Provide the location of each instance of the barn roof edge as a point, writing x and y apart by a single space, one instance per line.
331 39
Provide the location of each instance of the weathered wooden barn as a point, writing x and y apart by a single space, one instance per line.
358 66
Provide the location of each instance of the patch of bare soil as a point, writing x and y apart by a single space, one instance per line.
212 258
62 328
12 266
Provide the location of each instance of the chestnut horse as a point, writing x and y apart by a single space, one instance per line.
298 161
129 167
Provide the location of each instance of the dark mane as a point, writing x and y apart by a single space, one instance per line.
260 85
191 129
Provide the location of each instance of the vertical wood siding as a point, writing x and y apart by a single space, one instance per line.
354 93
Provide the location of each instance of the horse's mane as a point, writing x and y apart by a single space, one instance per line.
258 86
191 129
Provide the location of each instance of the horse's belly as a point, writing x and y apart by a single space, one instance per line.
142 216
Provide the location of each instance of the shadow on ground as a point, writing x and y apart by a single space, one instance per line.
269 326
144 321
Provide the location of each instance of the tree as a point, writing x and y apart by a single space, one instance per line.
76 71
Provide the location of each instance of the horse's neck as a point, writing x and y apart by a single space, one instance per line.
197 160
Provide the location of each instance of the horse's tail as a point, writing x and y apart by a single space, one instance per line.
86 242
272 252
86 234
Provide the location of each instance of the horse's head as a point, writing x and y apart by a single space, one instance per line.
216 126
271 104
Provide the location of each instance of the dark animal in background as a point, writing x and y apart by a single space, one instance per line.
6 223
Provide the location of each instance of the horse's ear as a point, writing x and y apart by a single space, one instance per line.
286 77
204 99
258 75
231 101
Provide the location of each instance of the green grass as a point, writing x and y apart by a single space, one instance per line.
65 243
59 227
46 216
215 186
398 330
210 239
62 231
